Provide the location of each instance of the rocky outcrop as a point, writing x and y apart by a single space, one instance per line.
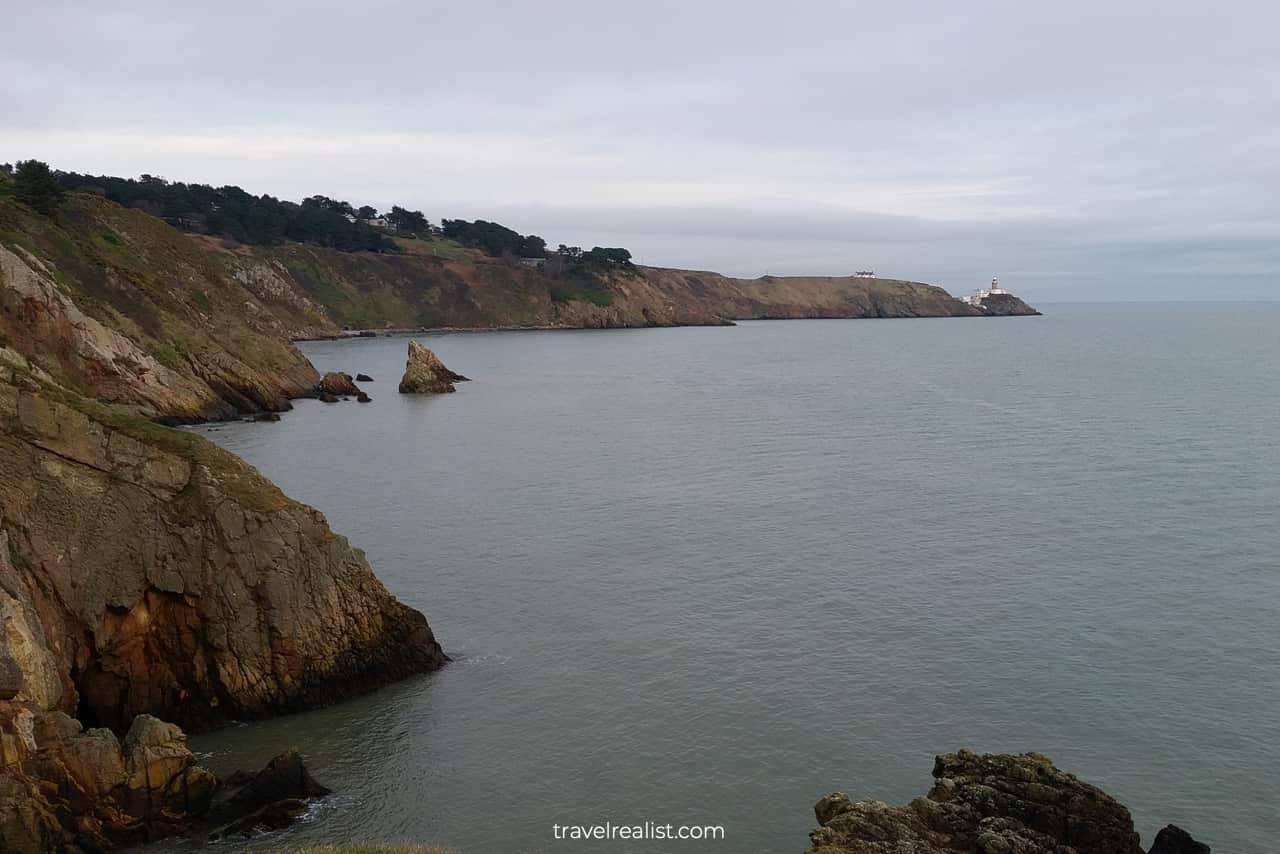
424 373
65 789
1174 840
985 804
143 570
338 384
1006 305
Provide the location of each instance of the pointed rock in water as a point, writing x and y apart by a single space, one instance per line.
424 373
363 378
1018 804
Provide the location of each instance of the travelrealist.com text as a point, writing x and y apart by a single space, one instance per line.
644 830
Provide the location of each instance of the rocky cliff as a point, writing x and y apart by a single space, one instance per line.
990 804
117 305
145 570
465 289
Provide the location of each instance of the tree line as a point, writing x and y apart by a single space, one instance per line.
264 220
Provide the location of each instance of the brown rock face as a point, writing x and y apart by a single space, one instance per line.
145 571
339 384
62 790
424 373
983 804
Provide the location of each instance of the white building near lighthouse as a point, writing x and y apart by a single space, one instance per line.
979 295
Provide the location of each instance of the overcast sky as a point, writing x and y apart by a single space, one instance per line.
1080 150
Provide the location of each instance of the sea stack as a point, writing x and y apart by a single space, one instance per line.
424 373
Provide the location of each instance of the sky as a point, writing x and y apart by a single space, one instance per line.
1079 150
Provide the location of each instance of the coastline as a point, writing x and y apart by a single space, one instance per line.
395 332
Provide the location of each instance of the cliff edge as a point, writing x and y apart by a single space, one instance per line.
144 570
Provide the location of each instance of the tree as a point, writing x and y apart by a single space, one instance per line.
35 184
608 256
533 246
408 222
367 212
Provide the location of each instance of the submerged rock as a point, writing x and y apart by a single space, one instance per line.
993 804
424 373
363 398
363 378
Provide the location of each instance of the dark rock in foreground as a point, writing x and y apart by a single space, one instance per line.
271 799
424 373
1174 840
990 804
363 378
64 790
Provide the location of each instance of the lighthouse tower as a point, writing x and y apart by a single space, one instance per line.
995 287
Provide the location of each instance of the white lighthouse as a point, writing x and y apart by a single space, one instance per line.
979 295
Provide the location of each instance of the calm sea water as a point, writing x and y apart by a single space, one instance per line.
708 575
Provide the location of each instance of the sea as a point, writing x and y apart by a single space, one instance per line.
705 576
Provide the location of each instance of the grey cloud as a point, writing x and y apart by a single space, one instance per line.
1091 149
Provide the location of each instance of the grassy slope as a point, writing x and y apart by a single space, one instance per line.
170 295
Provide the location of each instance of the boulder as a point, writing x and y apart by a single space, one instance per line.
326 397
991 803
1174 840
337 384
424 373
284 777
363 378
155 753
91 792
363 398
271 799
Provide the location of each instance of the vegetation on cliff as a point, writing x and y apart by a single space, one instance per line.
121 307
